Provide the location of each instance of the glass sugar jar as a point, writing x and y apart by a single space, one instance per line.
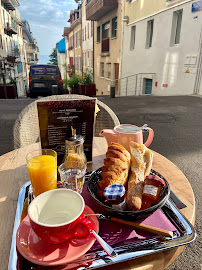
74 149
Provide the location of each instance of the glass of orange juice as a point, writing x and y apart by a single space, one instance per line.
42 168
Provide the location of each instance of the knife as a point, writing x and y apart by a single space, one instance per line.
136 225
179 204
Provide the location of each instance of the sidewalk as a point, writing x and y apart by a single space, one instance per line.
177 125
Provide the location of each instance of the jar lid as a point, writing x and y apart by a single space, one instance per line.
156 177
77 139
114 192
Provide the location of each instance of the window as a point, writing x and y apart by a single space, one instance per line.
105 30
176 27
105 38
132 38
98 34
75 44
79 63
84 59
92 58
85 32
19 67
101 69
108 70
79 38
150 27
1 42
114 27
88 62
91 28
88 30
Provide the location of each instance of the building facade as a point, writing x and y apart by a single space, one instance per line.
162 46
32 49
87 41
13 56
74 39
107 17
61 58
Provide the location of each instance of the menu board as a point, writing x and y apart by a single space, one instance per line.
56 119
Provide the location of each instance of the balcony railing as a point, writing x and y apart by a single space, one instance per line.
11 27
16 16
75 23
10 4
105 45
95 9
13 52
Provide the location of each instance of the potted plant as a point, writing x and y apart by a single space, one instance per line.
73 82
11 90
86 85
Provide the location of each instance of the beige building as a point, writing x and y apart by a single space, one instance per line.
74 39
107 17
136 10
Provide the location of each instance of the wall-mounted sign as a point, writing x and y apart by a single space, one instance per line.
196 6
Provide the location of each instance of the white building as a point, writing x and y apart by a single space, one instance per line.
32 49
87 41
61 58
161 52
68 53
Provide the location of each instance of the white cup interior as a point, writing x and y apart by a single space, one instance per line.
56 207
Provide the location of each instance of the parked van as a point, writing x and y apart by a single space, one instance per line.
45 80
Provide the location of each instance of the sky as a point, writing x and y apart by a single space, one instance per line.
47 19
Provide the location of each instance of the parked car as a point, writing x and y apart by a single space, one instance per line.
45 80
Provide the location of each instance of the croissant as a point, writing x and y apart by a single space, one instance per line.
116 167
141 163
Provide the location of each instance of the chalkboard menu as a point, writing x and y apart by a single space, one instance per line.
56 119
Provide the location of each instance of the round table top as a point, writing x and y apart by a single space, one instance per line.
13 174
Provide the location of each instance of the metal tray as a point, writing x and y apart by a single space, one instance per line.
184 234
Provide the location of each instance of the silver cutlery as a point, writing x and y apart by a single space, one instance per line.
109 250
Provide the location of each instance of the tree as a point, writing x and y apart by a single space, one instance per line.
53 57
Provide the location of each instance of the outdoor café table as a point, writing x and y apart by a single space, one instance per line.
13 174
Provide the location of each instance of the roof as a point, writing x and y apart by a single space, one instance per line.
25 26
61 46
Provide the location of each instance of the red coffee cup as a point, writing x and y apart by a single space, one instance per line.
56 216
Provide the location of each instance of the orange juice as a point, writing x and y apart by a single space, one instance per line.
43 173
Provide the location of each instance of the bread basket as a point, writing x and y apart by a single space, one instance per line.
92 187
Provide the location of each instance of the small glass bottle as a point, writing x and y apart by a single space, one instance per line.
115 196
74 150
152 191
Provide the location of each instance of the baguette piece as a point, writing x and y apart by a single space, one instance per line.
116 167
141 163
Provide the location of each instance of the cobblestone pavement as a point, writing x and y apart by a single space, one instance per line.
177 124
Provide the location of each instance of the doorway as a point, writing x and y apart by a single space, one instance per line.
147 86
116 76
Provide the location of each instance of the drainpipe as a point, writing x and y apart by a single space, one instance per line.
93 53
122 40
81 38
199 68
